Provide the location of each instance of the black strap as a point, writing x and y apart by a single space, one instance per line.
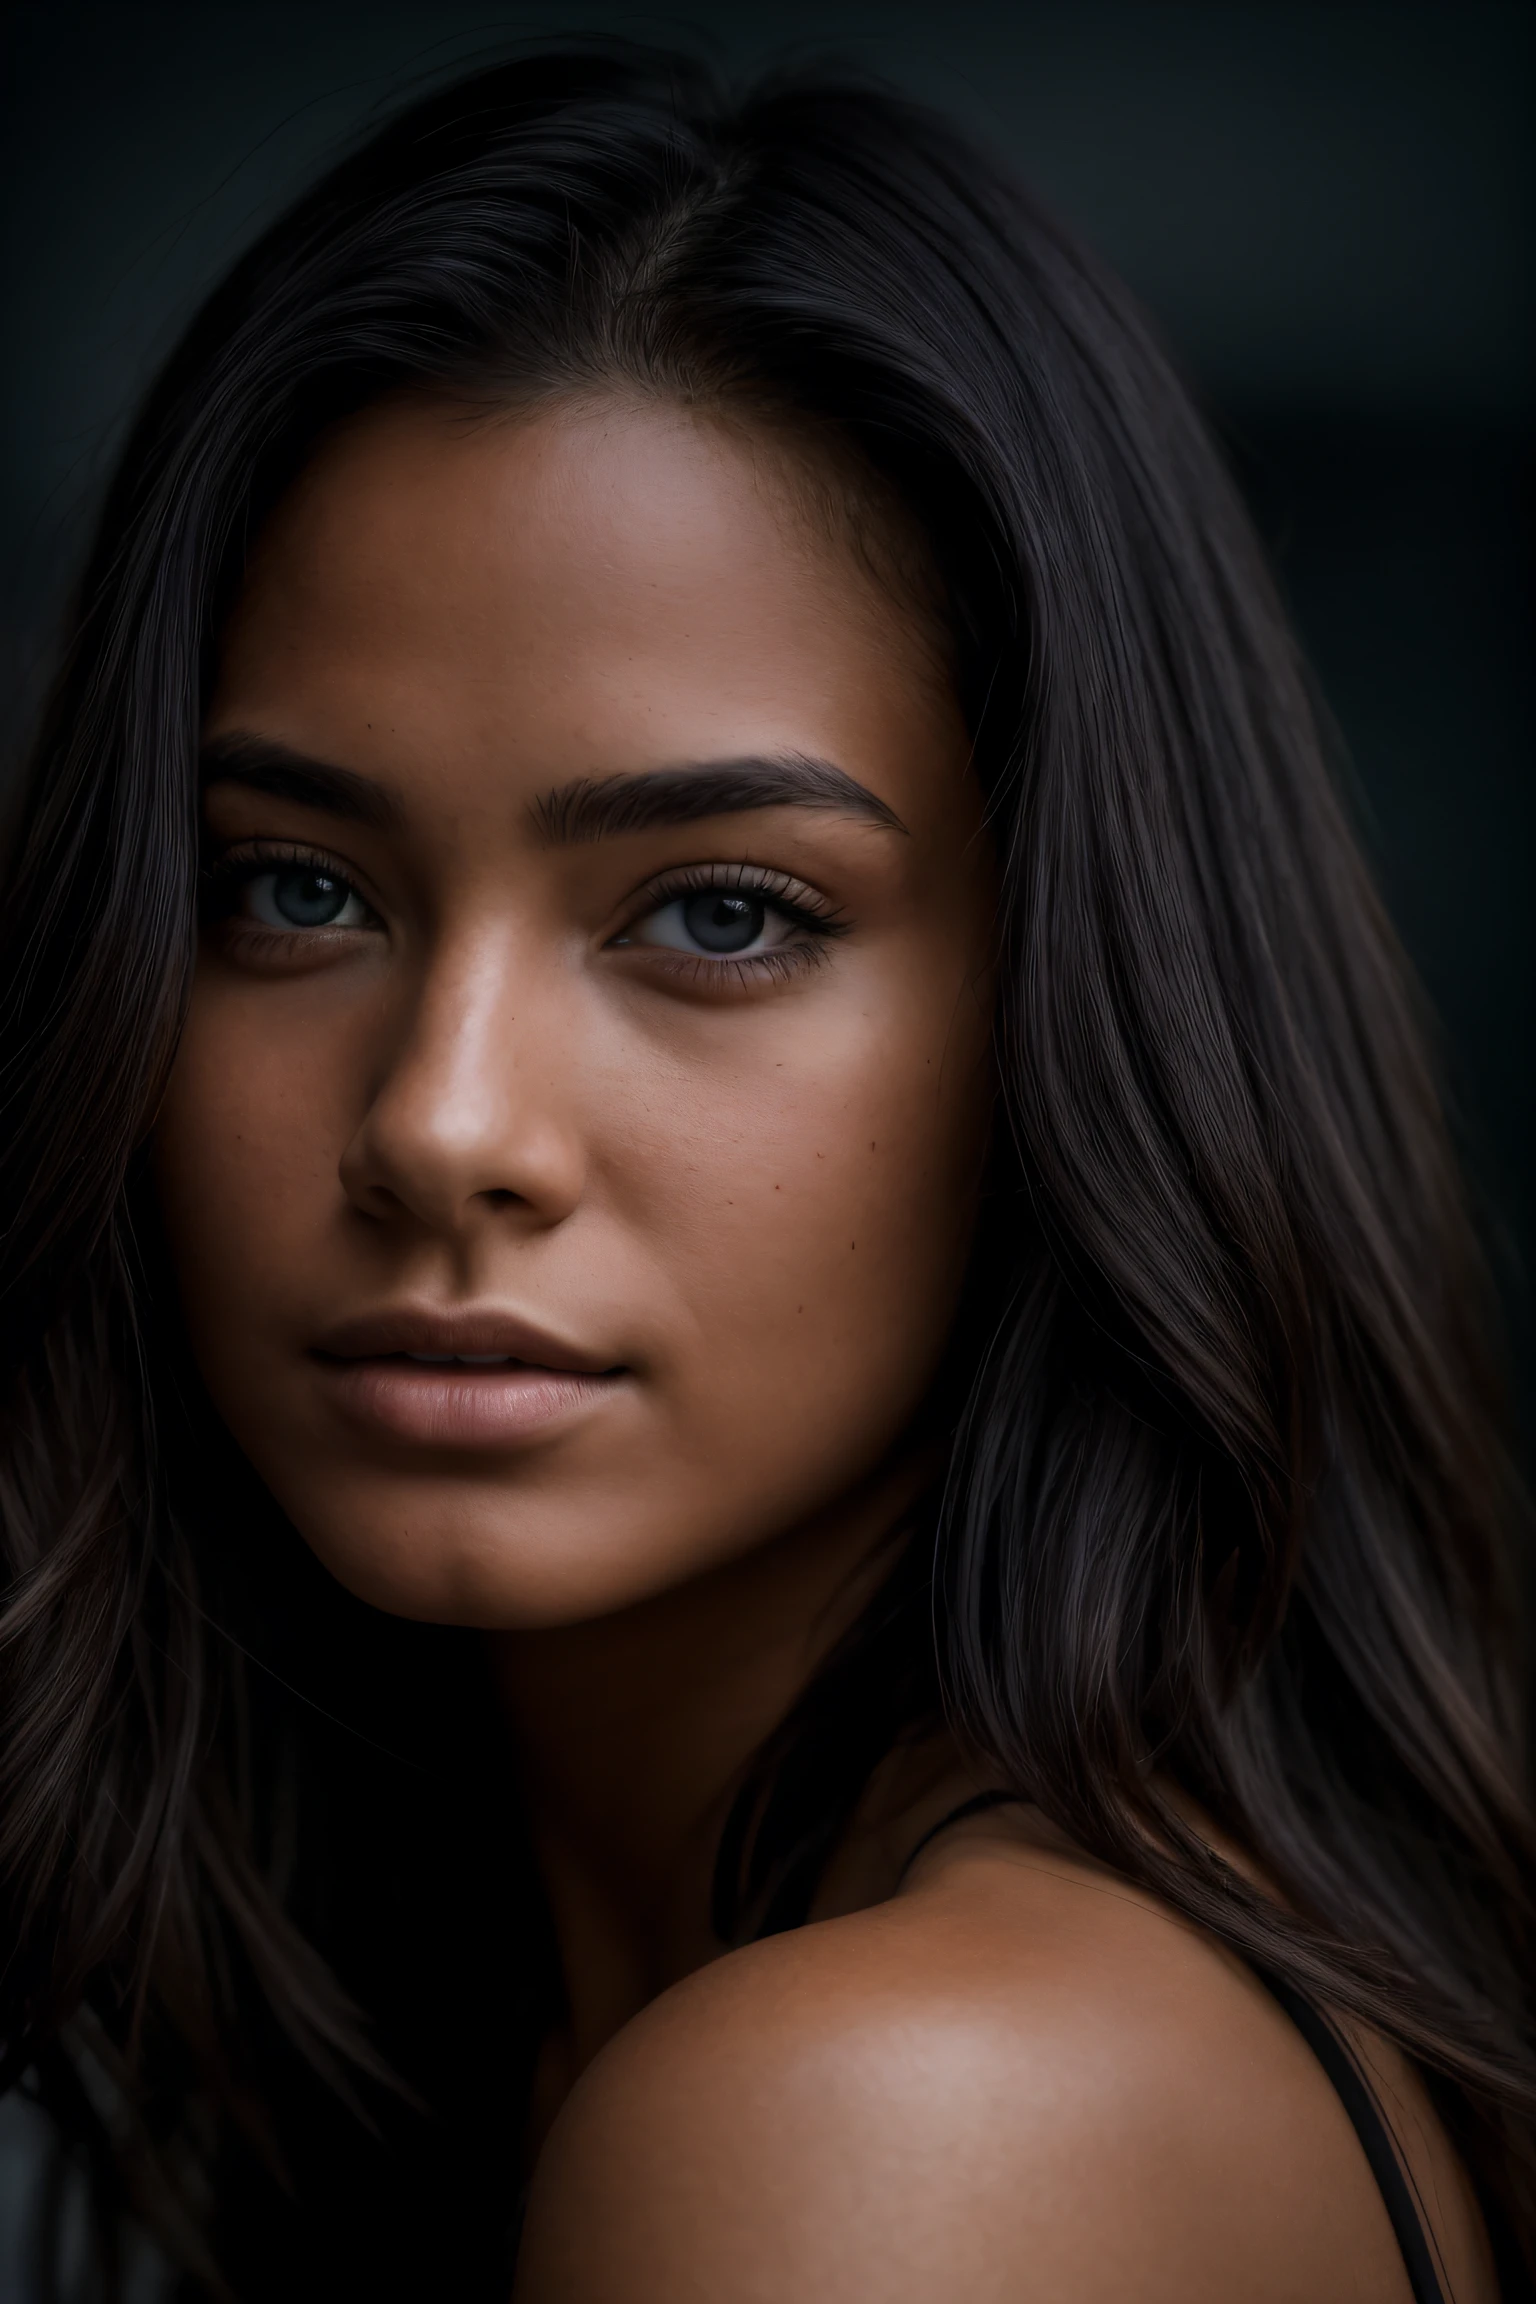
977 1806
1358 2099
1349 2083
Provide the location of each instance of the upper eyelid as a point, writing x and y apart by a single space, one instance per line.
257 847
786 888
256 850
262 848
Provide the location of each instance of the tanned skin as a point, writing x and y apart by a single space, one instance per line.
508 706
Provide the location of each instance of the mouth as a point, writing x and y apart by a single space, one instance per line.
465 1359
459 1377
470 1335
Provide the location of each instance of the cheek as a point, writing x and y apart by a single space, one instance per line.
819 1210
245 1158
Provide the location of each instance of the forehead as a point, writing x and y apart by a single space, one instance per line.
589 588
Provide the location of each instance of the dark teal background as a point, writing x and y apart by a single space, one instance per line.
1327 207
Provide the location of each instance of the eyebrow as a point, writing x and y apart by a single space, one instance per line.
264 765
603 808
588 809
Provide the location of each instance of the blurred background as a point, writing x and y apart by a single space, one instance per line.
1328 208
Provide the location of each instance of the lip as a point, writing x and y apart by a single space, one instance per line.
458 1376
457 1331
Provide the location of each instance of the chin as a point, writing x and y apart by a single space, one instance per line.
497 1566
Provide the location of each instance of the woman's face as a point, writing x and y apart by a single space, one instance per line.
572 1154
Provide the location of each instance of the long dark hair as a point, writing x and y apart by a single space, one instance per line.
1227 1506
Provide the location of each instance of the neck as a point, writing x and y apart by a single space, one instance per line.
633 1733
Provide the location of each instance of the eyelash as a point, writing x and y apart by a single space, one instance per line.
816 921
226 875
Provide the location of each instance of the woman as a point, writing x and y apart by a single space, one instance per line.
749 1470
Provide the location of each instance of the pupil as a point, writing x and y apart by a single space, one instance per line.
309 899
723 923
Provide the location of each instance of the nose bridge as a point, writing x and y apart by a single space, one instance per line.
466 1106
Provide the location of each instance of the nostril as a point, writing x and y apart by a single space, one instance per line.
499 1197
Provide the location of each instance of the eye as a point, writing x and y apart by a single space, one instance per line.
290 896
724 922
735 912
733 922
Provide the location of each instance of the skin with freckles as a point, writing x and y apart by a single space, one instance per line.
569 1170
735 1192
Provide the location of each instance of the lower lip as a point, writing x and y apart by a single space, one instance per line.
458 1407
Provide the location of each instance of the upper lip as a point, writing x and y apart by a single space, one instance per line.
458 1329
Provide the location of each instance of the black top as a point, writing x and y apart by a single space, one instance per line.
1337 2060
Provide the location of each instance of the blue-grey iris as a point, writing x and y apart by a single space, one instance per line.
307 898
723 923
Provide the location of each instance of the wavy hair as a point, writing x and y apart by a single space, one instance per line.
1227 1506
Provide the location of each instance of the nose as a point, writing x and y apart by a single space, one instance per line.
467 1113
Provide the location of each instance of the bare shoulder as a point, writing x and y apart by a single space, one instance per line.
1020 2080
